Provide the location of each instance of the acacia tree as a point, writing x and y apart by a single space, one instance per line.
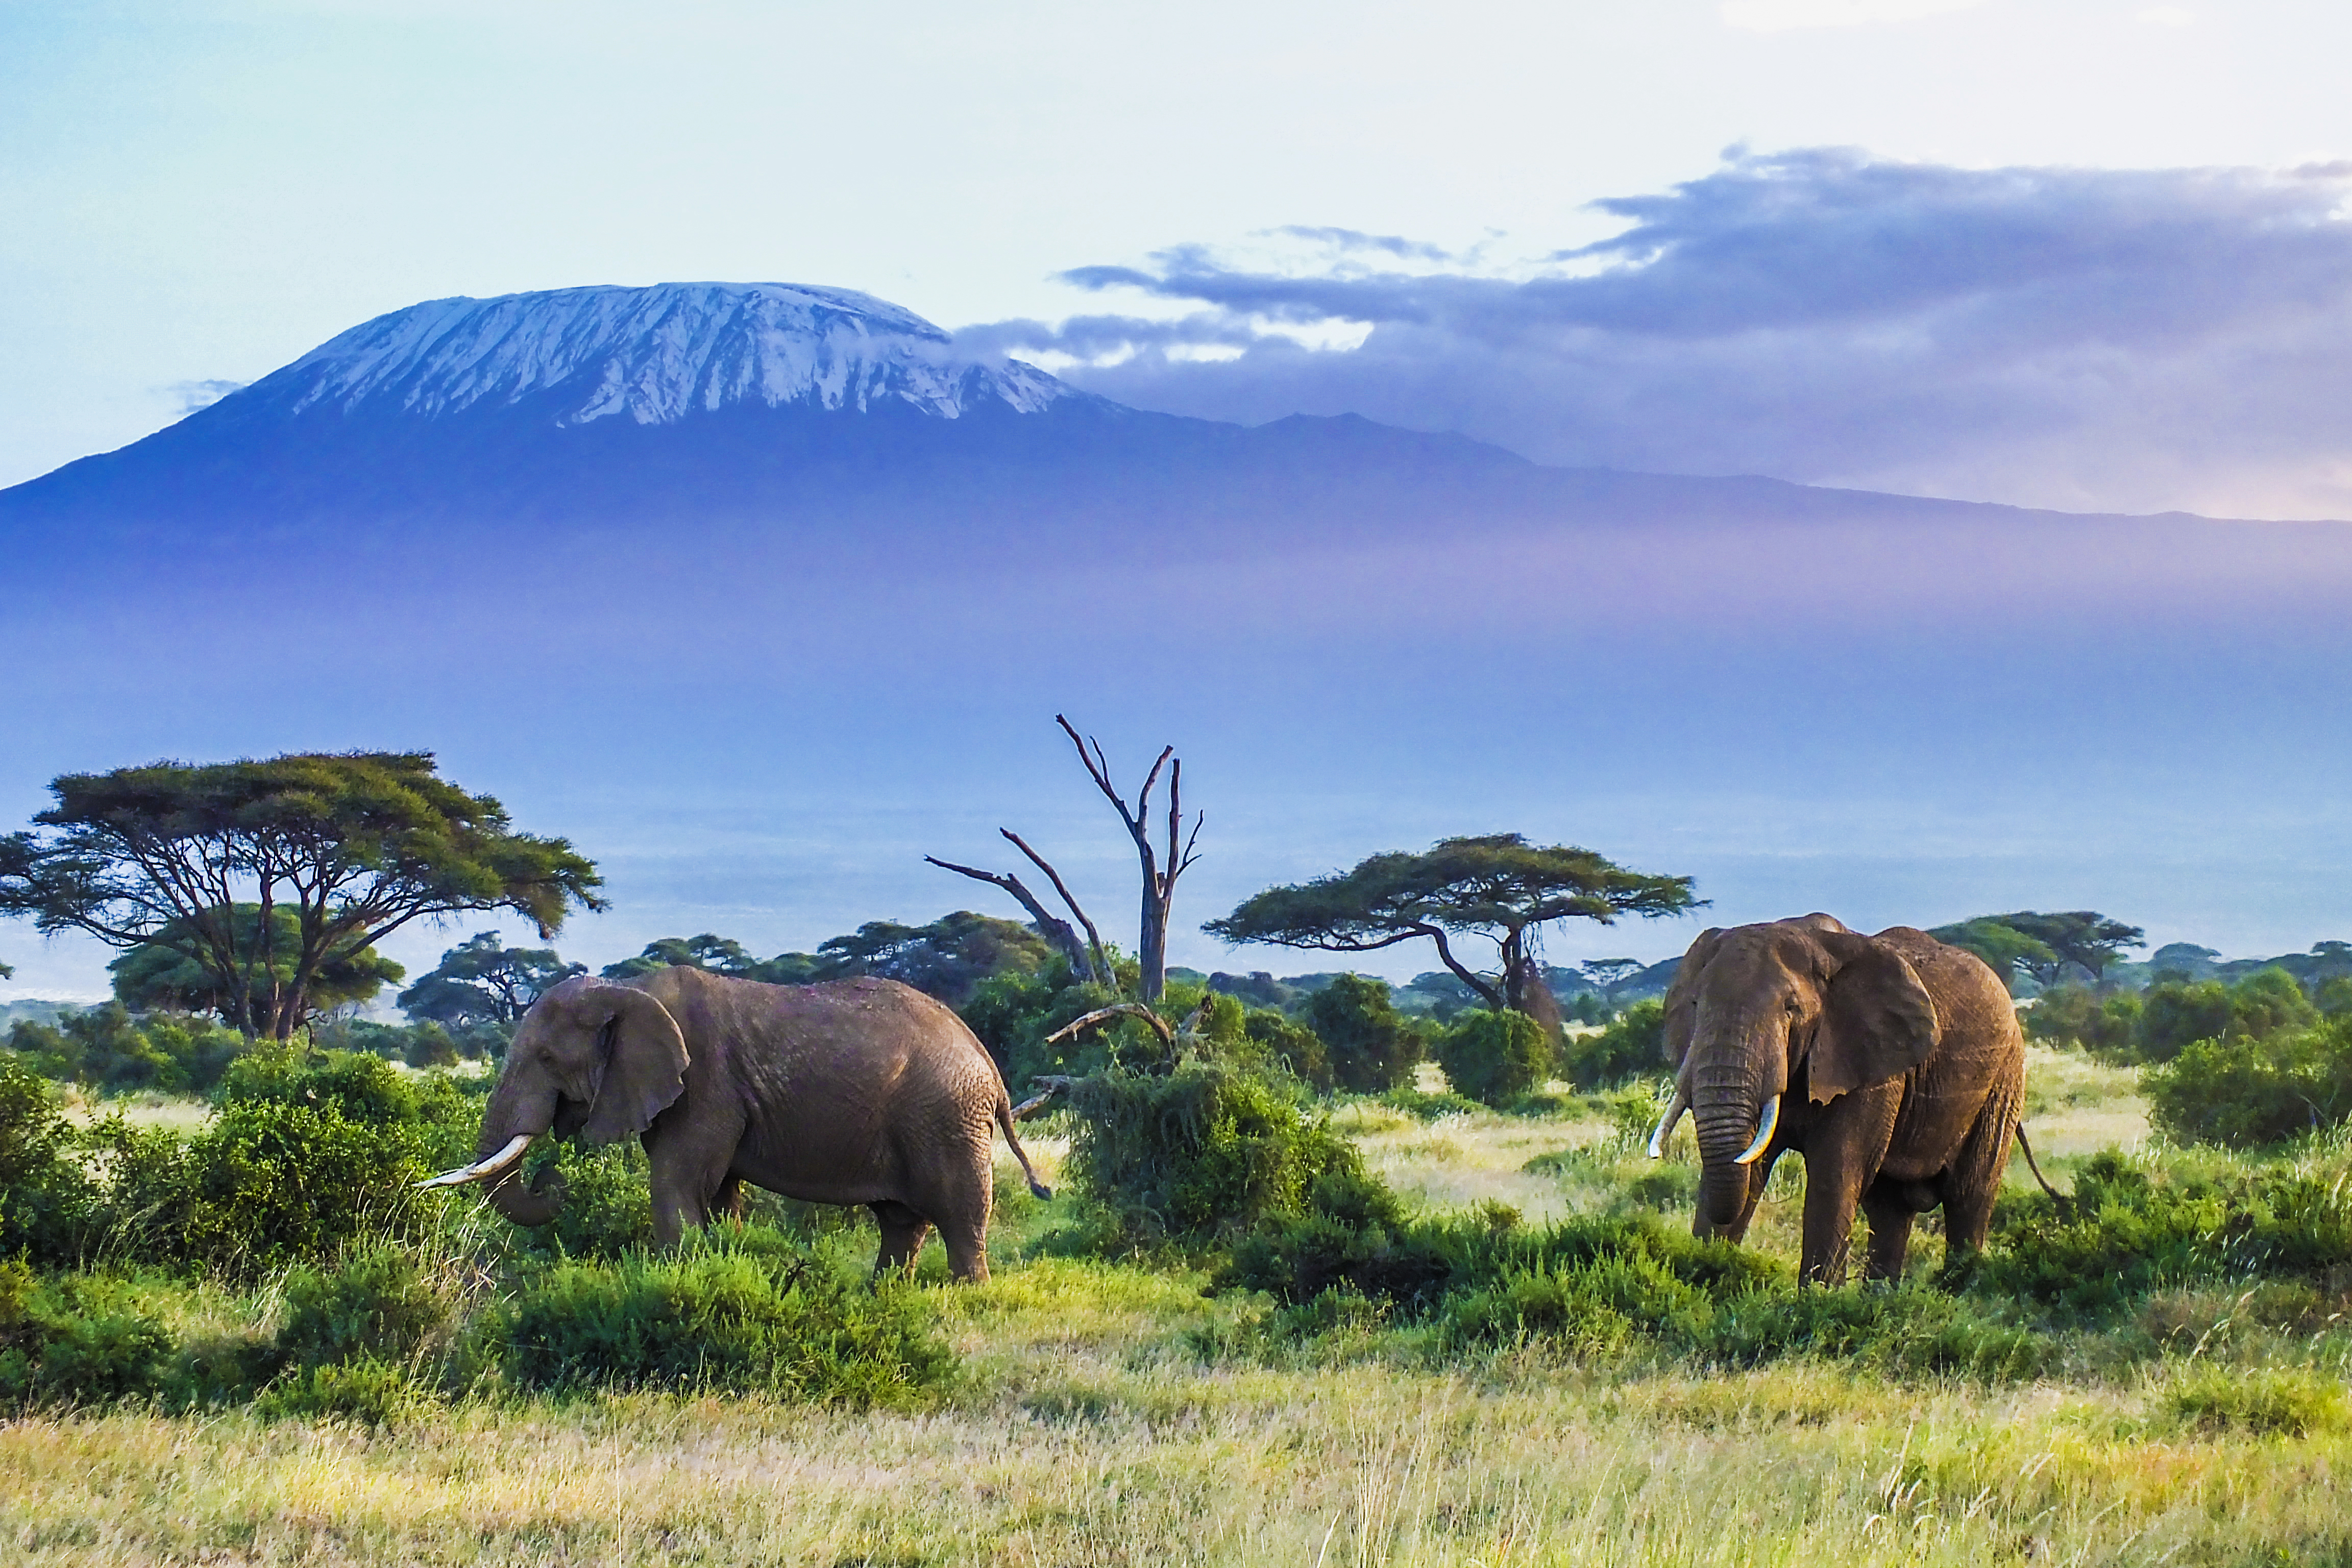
356 844
483 980
1497 885
2044 944
175 973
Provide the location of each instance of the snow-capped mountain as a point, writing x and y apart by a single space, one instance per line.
652 355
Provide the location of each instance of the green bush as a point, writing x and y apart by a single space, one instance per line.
76 1339
1494 1057
2289 1400
370 1392
107 1049
2128 1230
1369 1045
2107 1026
752 1314
1631 1046
1294 1048
265 1185
376 1301
2176 1013
48 1205
608 1205
2246 1091
1204 1152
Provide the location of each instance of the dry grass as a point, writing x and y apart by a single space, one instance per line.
1091 1429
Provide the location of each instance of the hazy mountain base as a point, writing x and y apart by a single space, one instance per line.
1109 1413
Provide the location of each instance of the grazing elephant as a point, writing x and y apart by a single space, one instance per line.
1892 1063
857 1091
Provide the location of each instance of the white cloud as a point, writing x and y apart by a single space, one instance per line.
2078 338
1782 15
2166 16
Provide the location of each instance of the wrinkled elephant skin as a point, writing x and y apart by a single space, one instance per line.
1894 1062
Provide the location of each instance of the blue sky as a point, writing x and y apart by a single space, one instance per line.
2065 253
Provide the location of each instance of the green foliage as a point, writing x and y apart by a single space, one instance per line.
1631 1046
48 1201
1369 1045
104 1049
1205 1152
1497 885
740 1315
2243 1091
2044 945
2174 1013
608 1207
179 970
2130 1229
950 958
483 982
1014 1012
70 1340
2108 1025
367 1391
358 843
2271 1401
1283 1042
375 1301
1494 1057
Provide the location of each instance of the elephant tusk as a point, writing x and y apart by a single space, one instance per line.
1675 1109
482 1170
1764 1130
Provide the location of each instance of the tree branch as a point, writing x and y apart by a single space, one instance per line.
1118 1010
1102 974
1057 931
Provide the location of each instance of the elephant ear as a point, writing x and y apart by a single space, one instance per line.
644 1067
1682 996
1878 1020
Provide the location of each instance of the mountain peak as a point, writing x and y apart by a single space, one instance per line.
654 355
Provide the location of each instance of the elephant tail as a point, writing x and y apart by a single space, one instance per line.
1004 1119
2055 1195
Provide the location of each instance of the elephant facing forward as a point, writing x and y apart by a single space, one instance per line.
857 1091
1893 1063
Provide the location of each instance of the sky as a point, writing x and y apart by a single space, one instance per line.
2063 253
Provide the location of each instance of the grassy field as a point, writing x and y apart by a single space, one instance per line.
1110 1413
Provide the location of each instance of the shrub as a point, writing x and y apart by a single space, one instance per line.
47 1202
2246 1091
1371 1047
2108 1026
75 1340
608 1205
1494 1057
376 1301
1631 1046
2288 1400
767 1318
2128 1230
2175 1014
1205 1152
370 1392
267 1183
1291 1046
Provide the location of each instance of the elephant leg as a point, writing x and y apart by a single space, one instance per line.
1974 1180
967 1252
1843 1154
903 1234
1890 1232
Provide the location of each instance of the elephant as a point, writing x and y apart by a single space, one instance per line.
853 1092
1893 1063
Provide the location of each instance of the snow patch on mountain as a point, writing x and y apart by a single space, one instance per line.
655 356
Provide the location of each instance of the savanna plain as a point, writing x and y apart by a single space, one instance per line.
1087 1407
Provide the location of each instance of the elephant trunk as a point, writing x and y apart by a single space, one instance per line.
520 1110
1728 1107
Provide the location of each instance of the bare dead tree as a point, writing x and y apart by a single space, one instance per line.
1086 958
1090 958
1159 880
